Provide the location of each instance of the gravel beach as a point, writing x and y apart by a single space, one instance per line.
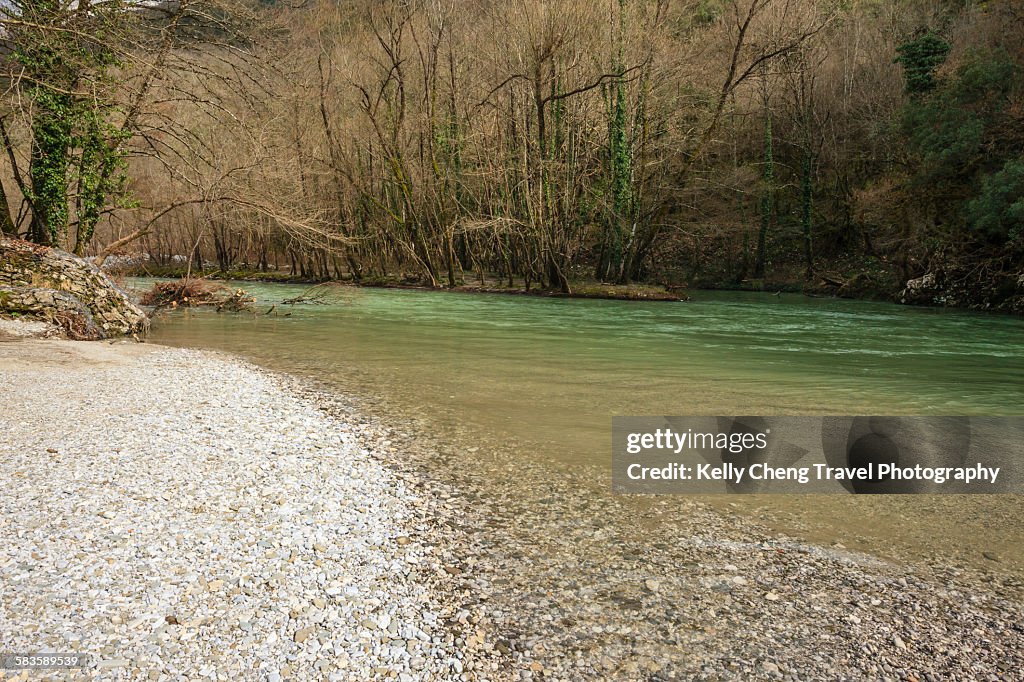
179 517
183 515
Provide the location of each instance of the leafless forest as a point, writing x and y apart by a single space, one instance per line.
535 143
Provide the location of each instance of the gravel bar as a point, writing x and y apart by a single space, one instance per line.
178 515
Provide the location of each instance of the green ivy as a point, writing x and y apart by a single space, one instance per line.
102 172
74 137
51 145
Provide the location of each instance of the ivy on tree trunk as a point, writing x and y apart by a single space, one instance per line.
73 138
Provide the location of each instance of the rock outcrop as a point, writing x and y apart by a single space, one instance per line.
921 291
1001 292
54 286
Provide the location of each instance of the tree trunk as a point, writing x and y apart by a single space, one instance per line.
767 197
7 225
806 205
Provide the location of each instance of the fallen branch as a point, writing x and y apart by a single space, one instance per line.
314 294
190 292
112 248
833 281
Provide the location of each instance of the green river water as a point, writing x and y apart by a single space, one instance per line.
542 377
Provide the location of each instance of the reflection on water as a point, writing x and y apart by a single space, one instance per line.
546 375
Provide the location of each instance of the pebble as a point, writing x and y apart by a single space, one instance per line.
113 663
202 510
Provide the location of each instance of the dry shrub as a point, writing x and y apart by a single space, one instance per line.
77 326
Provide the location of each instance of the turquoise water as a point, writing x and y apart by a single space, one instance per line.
548 374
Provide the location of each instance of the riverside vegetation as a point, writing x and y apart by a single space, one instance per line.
869 148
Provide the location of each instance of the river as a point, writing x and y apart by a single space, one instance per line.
540 378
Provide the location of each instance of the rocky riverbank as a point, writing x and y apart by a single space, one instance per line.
579 584
194 517
179 516
52 286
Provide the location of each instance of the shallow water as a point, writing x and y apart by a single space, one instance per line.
544 376
539 367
